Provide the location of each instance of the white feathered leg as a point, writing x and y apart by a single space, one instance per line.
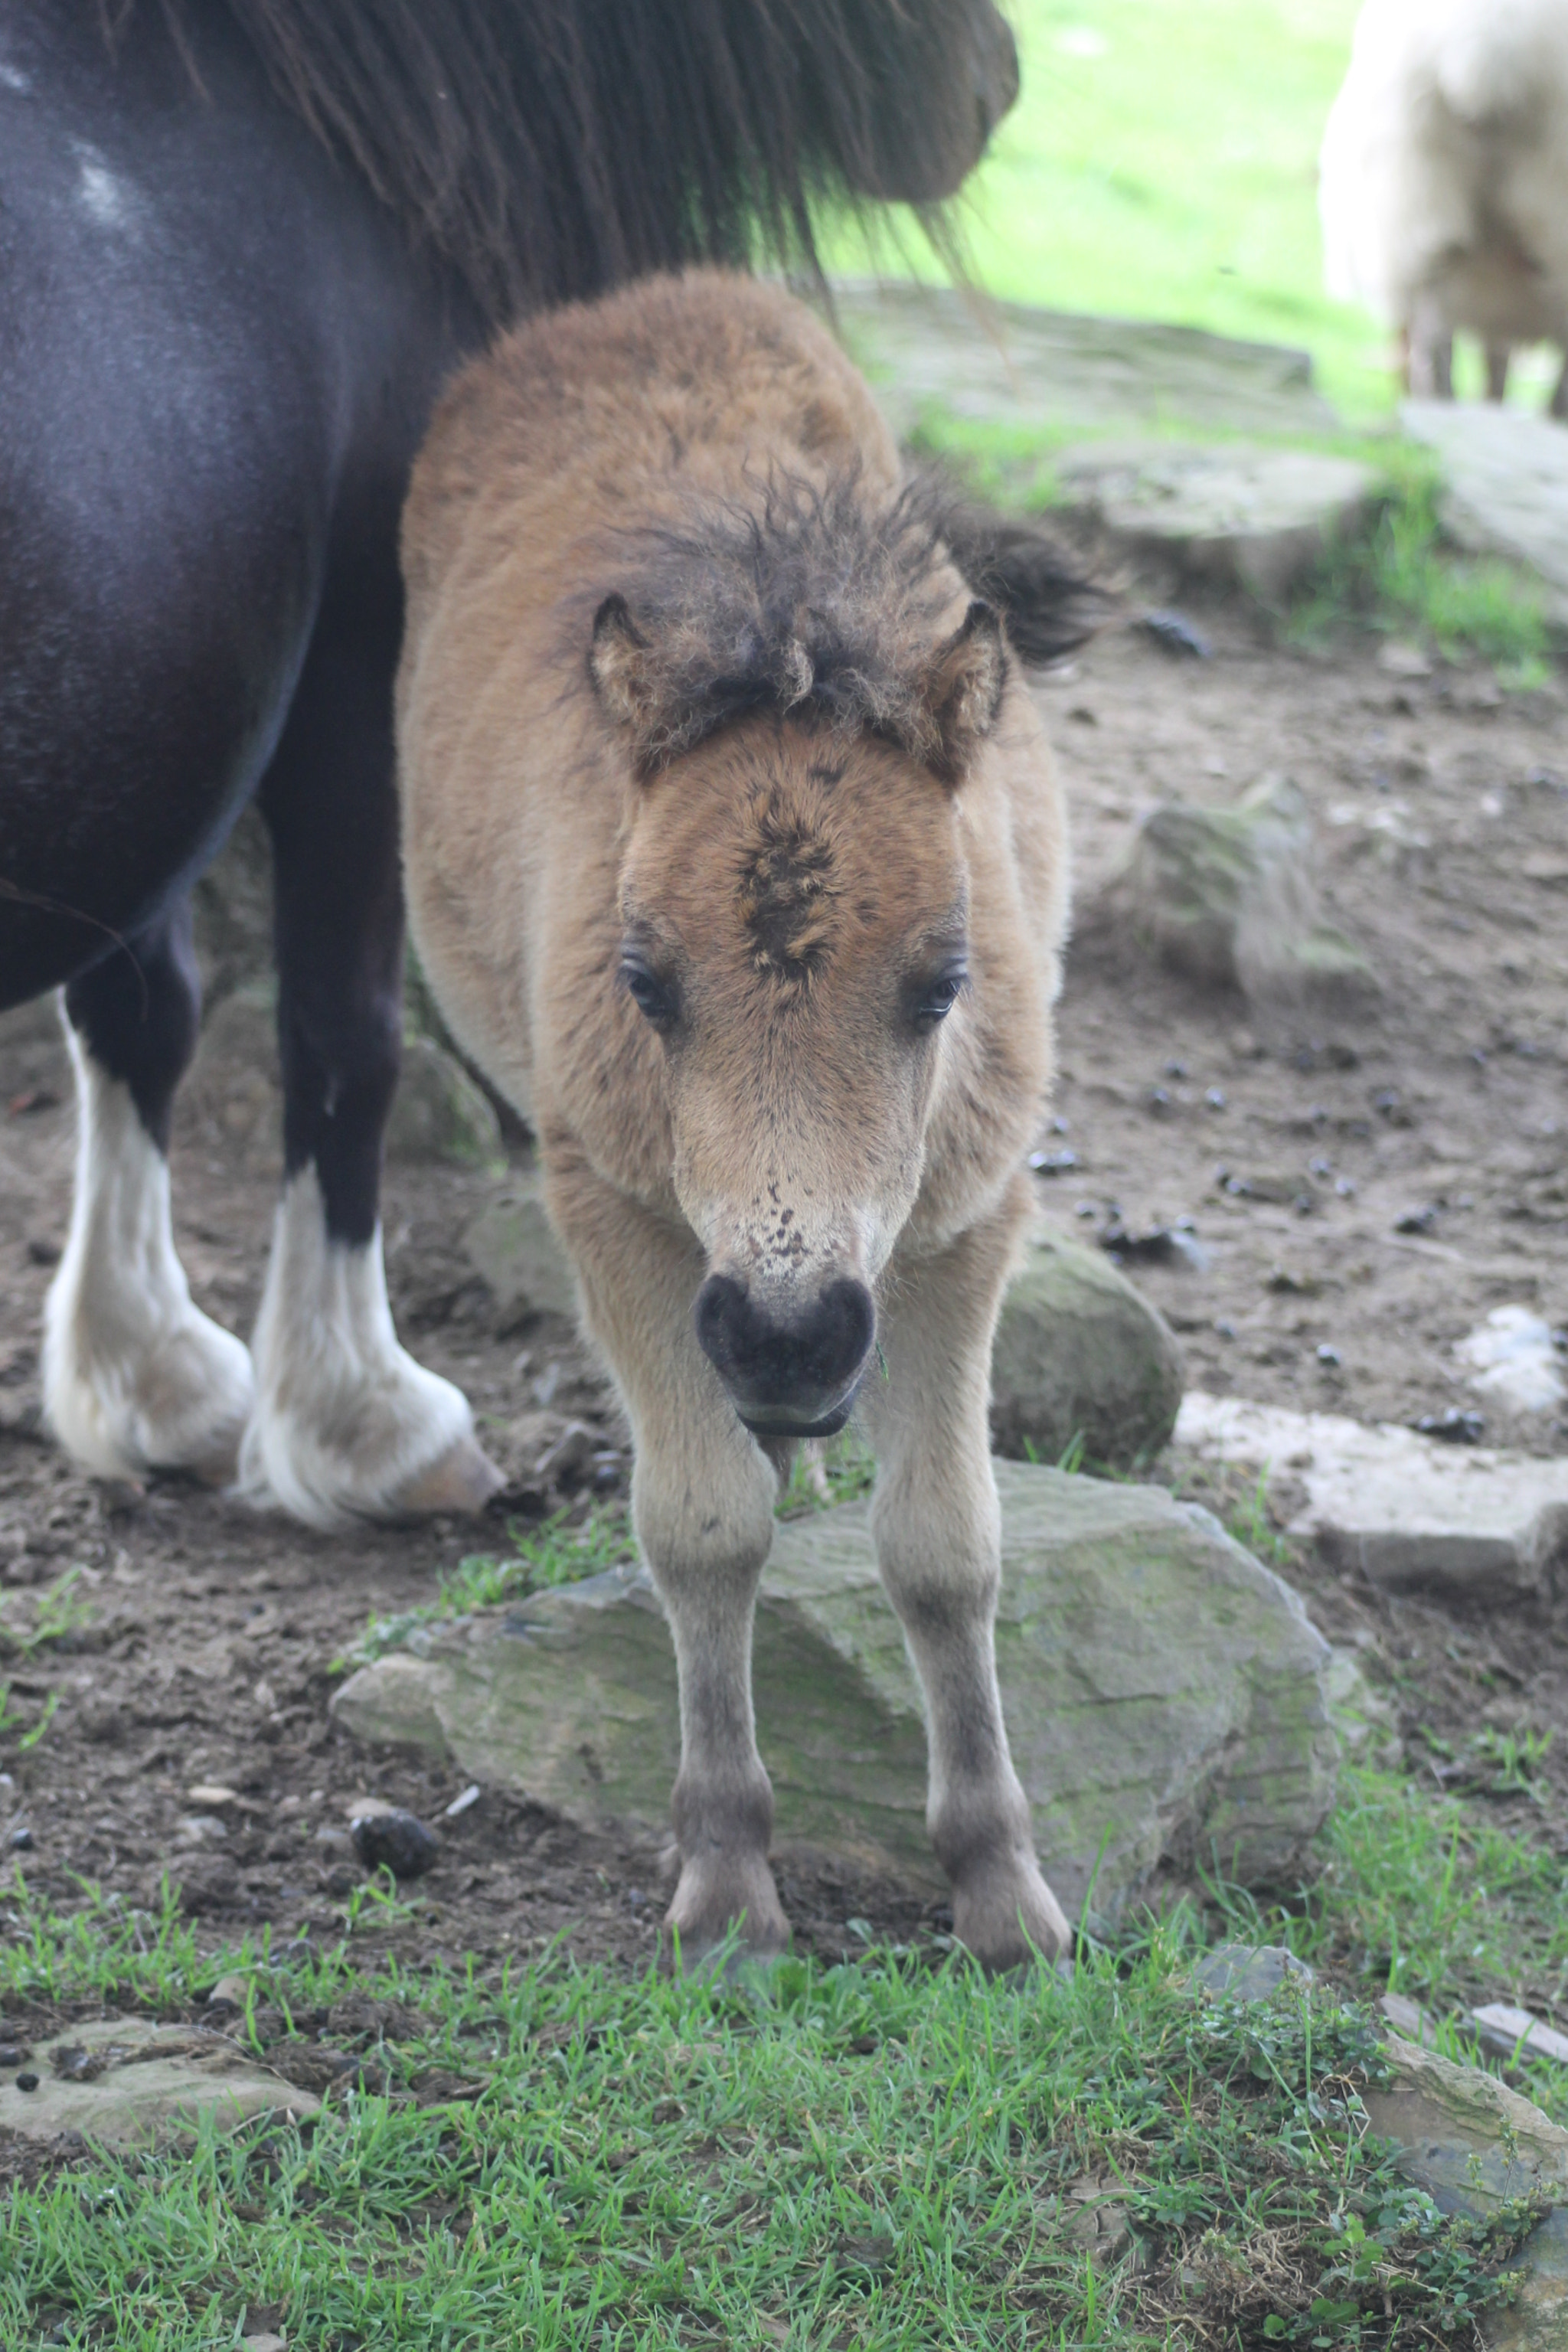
346 1424
135 1377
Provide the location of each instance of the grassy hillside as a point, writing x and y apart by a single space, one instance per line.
1162 163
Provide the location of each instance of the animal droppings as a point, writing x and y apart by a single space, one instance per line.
1174 634
394 1840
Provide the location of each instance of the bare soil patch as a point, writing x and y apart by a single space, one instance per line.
200 1638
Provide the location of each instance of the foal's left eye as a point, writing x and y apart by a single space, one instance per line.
939 996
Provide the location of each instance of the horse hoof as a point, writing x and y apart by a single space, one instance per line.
463 1479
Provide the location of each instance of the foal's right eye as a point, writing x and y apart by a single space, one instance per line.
657 999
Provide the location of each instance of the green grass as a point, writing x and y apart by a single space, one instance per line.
1162 163
1400 575
881 2155
1172 176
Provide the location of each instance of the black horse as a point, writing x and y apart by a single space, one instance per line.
241 244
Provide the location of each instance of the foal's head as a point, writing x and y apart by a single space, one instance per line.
794 903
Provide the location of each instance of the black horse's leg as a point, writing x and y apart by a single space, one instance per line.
346 1422
135 1377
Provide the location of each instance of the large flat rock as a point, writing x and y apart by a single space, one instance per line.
1241 514
928 346
1505 484
1164 1694
1467 1523
126 2084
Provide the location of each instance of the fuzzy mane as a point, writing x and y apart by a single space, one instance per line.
548 149
815 604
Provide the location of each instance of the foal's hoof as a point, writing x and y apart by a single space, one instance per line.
1010 1918
733 1923
463 1479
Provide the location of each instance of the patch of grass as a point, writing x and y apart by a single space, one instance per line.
555 1553
1426 1894
1399 575
1162 163
60 1611
880 2155
840 1470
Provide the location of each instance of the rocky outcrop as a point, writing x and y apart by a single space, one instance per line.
1241 515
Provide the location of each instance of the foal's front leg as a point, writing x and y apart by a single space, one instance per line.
938 1532
702 1503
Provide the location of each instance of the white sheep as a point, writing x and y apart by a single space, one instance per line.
1444 187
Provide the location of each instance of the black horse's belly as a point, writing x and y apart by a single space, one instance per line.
191 303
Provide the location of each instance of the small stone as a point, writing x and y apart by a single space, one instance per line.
28 2082
1249 1971
1080 1352
229 1992
1453 1426
459 1805
1326 1356
13 2054
1513 1357
1415 1221
22 1839
395 1840
1404 661
1226 897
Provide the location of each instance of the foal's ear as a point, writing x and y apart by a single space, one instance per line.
620 666
964 688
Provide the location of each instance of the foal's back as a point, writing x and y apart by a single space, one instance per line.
604 415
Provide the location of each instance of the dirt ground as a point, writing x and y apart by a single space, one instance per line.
197 1638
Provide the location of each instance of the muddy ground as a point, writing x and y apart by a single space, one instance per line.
194 1646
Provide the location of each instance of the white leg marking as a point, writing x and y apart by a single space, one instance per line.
135 1377
346 1424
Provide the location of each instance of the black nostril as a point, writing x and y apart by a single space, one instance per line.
721 1315
839 1333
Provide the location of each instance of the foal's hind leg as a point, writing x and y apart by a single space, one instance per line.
135 1377
346 1422
938 1534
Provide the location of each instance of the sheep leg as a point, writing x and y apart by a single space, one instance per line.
1497 371
702 1504
1559 407
938 1533
1429 345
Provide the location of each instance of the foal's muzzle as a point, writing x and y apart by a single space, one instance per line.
788 1376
